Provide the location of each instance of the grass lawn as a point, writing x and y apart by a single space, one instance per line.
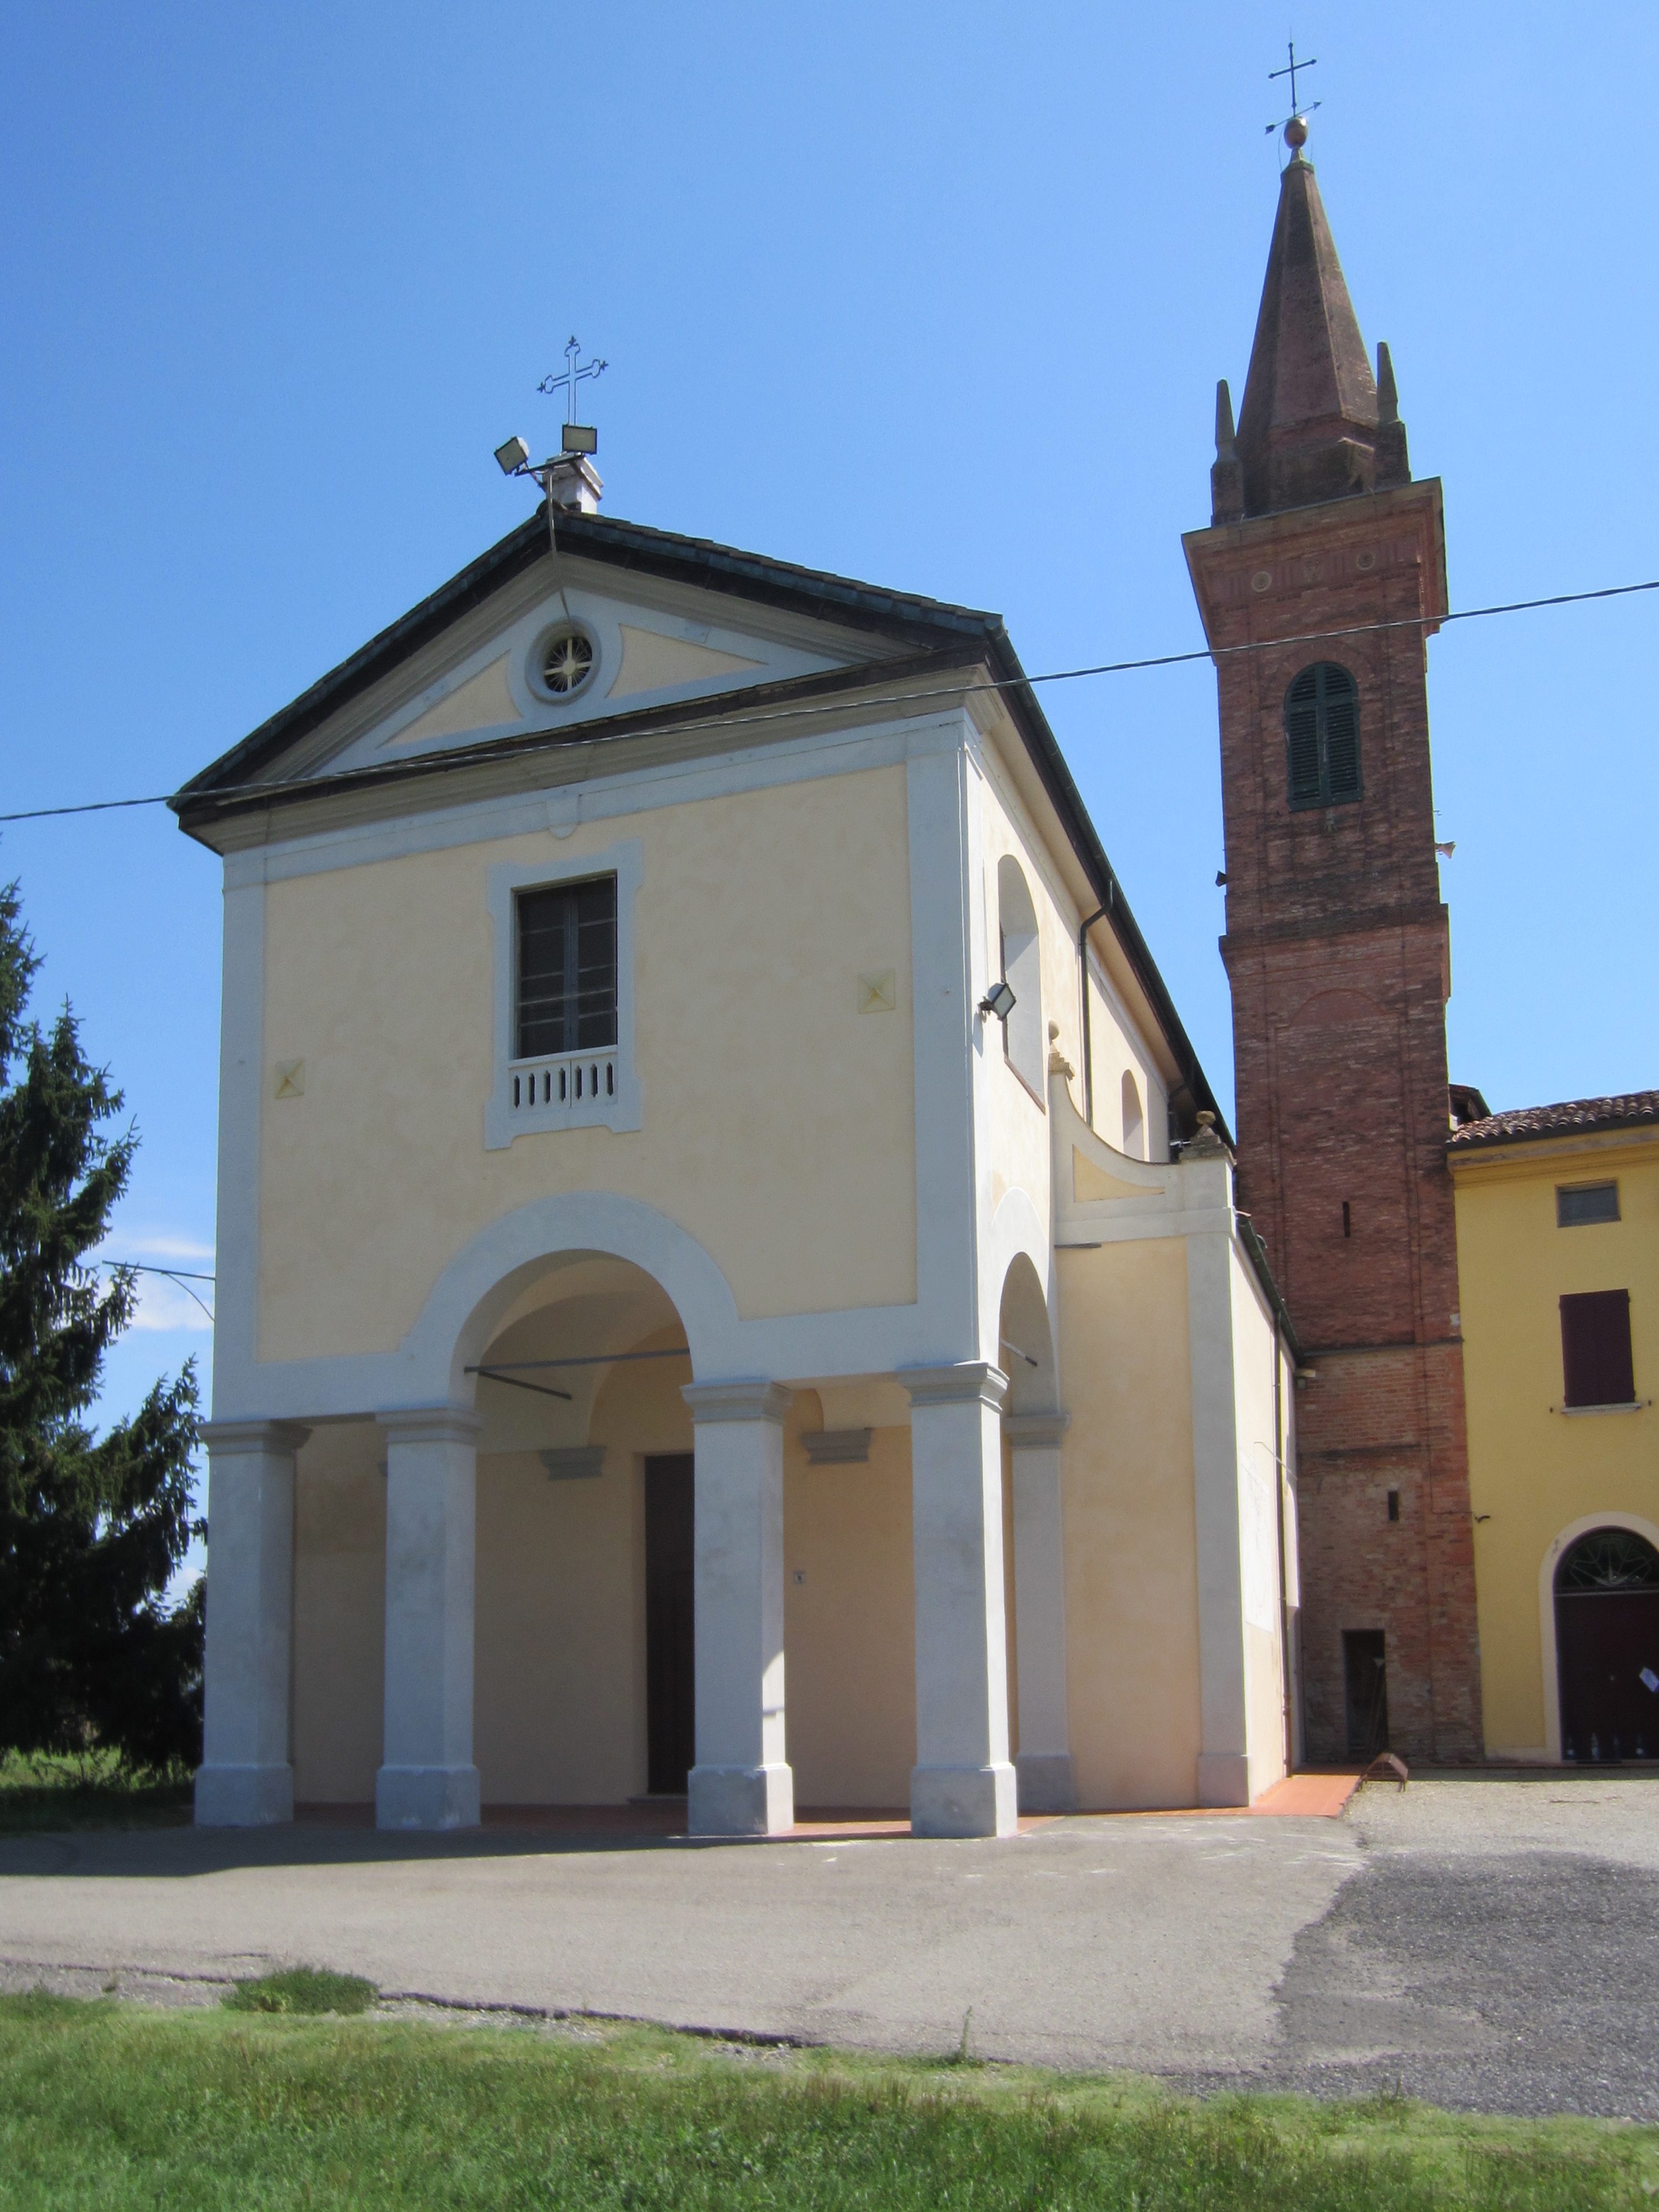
108 2106
44 1793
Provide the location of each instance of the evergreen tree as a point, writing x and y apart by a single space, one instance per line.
91 1529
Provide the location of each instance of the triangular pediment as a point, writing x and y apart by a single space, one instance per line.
616 624
486 676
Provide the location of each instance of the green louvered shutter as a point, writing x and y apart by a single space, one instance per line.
1341 716
1302 739
1321 736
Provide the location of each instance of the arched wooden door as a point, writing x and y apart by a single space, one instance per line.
1606 1642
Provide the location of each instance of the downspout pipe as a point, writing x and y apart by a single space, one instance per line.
1099 914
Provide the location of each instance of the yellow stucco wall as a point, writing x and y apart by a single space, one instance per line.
1131 1573
1534 1471
849 1623
779 1121
339 1613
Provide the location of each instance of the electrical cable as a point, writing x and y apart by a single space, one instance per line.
469 756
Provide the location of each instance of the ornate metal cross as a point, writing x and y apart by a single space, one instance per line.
574 374
1288 70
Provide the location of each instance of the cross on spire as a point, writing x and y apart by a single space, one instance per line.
1297 110
573 375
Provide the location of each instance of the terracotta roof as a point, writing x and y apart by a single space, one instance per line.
1575 1117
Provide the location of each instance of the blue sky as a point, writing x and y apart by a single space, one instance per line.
934 295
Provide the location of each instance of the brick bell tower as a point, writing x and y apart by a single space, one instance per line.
1339 956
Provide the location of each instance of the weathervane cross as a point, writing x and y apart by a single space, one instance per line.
1297 109
574 376
1289 70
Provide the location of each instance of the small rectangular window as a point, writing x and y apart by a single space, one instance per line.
566 973
1597 1369
1394 1505
1581 1202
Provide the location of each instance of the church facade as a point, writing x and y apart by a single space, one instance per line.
729 1279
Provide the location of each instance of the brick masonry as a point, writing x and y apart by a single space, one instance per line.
1338 953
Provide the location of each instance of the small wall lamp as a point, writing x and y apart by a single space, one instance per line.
998 1001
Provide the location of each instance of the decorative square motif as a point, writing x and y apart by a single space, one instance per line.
290 1079
877 993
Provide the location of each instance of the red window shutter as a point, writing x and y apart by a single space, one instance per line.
1597 1369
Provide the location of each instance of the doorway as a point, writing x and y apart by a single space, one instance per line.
1607 1644
670 1652
1365 1687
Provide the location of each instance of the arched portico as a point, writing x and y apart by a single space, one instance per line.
543 1321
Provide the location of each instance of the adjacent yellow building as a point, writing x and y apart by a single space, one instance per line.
1558 1247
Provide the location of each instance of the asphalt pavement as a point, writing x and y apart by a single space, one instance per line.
1480 1943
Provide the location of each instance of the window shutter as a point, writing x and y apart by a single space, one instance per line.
1597 1366
1341 704
1302 738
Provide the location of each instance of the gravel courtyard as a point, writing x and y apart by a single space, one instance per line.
1486 1943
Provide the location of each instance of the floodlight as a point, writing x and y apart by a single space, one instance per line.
998 1001
512 456
579 438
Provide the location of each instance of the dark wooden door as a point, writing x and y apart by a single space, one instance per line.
1606 1641
670 1682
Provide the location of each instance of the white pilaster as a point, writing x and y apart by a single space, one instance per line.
245 1780
741 1784
1224 1763
962 1783
1047 1783
427 1779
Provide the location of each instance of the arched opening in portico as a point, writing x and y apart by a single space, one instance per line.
575 1372
583 1670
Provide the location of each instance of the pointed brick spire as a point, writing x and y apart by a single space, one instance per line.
1308 429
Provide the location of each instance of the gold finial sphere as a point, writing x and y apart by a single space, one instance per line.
1296 134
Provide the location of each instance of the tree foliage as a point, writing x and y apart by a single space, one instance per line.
91 1528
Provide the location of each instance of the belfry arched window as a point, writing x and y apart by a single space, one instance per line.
1321 736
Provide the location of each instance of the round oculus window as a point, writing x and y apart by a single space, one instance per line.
564 662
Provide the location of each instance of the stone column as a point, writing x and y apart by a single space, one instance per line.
245 1779
1044 1760
962 1783
427 1779
741 1784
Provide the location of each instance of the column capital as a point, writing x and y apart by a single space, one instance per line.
431 1424
251 1439
1027 1431
969 1382
750 1399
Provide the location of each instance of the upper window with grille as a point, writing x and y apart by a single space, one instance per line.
567 978
1577 1204
1321 736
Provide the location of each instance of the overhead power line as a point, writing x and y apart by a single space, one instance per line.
440 764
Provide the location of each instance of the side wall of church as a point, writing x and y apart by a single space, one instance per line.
1131 1563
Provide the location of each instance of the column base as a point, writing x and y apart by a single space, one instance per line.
740 1801
963 1800
1223 1778
1047 1783
426 1797
243 1796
